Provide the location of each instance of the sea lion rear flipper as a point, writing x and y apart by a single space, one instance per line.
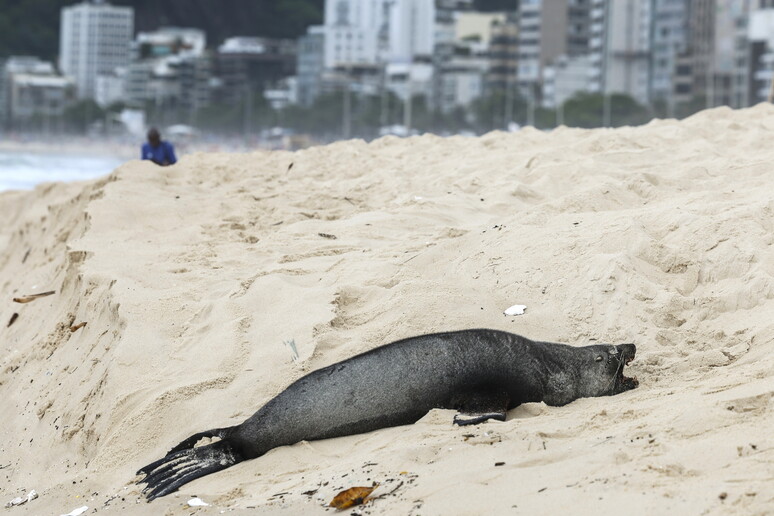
186 445
182 466
479 406
191 441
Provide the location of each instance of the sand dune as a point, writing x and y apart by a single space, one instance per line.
192 280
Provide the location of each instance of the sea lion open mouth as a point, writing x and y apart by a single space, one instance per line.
624 383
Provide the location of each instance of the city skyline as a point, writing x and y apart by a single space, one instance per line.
670 57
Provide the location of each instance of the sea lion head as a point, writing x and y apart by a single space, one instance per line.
602 372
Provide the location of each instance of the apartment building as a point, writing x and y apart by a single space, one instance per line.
627 52
33 90
761 55
253 63
171 68
94 40
377 31
669 35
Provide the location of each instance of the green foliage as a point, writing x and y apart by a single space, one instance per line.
686 109
626 111
545 118
116 107
491 111
246 117
587 110
325 118
584 110
30 27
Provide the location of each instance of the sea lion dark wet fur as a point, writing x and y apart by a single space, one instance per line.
481 373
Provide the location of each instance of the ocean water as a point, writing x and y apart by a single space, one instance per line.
24 170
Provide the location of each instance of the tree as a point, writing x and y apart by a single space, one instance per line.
693 106
489 111
587 110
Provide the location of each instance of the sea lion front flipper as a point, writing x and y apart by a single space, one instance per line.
479 406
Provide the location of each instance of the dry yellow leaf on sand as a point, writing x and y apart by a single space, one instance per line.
351 497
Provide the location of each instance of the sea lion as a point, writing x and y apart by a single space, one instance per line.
482 373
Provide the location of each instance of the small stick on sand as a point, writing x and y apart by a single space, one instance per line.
33 297
13 319
76 327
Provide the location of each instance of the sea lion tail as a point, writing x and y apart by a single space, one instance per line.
185 463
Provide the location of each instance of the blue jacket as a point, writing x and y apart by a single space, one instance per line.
164 154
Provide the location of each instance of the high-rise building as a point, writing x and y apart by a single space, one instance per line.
548 30
503 53
542 37
94 40
171 70
669 40
377 31
744 43
626 55
716 52
258 64
760 55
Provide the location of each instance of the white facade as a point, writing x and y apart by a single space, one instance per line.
412 30
669 40
761 29
168 41
32 88
285 94
94 40
243 45
626 53
109 89
529 68
28 65
597 17
377 31
38 95
405 79
462 81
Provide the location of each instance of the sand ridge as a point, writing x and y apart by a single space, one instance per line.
195 279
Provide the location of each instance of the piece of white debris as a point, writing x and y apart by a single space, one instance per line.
78 511
16 501
21 500
197 502
516 310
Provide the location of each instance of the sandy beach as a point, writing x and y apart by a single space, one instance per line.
193 279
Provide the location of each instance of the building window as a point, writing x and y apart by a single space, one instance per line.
683 88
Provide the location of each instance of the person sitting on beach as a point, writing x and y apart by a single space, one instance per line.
158 151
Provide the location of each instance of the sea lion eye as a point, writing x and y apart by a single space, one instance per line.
599 358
